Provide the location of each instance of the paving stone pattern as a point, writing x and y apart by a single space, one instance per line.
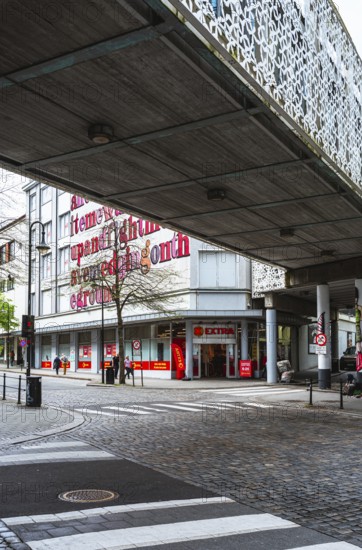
301 465
304 468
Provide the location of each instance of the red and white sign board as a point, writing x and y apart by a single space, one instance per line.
245 368
321 339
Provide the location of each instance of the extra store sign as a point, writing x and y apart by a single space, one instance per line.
211 333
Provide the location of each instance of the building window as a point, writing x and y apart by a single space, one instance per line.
46 302
63 298
10 283
64 225
2 286
45 262
32 206
46 194
217 269
64 259
48 232
7 252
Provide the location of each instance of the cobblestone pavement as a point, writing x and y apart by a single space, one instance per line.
297 463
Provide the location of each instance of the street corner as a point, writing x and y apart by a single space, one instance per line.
21 423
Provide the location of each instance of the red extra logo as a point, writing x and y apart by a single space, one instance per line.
198 331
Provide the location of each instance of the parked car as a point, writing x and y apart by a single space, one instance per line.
348 359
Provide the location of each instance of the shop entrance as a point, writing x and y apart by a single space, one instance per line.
214 361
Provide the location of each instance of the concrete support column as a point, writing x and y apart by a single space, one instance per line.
244 340
271 345
324 359
189 359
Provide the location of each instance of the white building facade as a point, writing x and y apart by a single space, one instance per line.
214 322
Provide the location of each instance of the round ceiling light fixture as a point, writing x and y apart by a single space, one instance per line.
100 134
216 194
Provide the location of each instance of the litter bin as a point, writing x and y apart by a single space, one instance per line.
110 375
33 391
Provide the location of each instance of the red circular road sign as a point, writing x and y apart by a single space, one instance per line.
136 344
321 339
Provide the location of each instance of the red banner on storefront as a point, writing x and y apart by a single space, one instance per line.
160 365
178 361
46 364
84 364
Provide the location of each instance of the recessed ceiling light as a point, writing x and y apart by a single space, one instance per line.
216 194
100 134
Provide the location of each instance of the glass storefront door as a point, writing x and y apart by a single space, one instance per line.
214 361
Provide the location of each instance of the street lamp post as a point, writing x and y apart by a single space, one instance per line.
102 338
8 338
42 248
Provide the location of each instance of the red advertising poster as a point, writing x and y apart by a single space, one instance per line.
85 351
160 365
110 350
46 364
245 368
178 361
107 364
84 365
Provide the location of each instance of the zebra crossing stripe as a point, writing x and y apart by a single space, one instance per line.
130 410
54 445
258 405
55 456
328 546
117 509
151 408
152 535
179 407
245 391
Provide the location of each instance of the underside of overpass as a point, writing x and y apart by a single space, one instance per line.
193 147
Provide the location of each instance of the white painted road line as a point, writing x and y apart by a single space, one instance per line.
152 535
261 391
130 410
55 456
117 509
57 445
180 408
329 546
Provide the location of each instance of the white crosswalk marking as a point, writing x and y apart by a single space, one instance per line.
138 537
179 407
182 406
55 452
250 392
167 523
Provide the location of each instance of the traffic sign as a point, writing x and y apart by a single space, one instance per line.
136 344
321 339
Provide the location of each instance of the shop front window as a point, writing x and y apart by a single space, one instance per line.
64 345
84 350
46 351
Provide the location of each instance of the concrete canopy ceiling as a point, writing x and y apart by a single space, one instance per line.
183 125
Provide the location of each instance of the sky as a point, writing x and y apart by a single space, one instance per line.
351 12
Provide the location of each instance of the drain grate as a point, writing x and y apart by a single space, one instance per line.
88 495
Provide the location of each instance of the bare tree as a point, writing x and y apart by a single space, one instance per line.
128 278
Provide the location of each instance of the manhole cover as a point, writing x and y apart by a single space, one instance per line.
88 495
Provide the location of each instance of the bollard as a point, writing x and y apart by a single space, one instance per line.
341 395
311 392
19 389
4 382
